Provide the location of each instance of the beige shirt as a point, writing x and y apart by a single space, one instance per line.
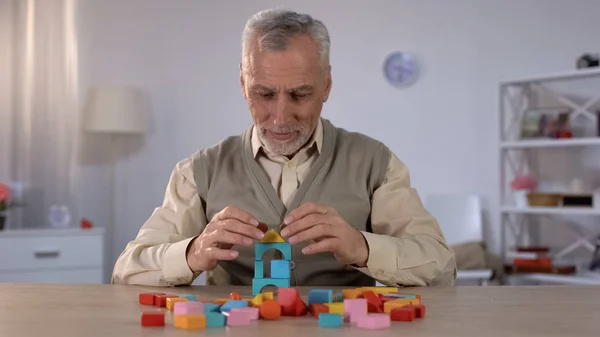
406 247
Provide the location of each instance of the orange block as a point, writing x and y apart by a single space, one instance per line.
235 296
190 322
172 300
270 310
351 293
380 290
399 303
317 308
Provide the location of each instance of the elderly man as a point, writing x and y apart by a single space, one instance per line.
342 199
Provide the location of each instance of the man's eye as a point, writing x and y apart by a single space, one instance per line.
299 96
267 95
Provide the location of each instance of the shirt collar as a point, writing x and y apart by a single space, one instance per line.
315 139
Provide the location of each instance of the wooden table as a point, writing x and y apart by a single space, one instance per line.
49 310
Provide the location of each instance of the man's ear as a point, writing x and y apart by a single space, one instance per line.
328 84
242 82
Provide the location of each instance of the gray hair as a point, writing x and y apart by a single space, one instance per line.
275 27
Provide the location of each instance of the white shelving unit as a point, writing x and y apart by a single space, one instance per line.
577 92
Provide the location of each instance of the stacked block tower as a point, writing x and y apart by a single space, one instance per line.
280 269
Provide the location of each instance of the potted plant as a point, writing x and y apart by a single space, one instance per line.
6 203
521 186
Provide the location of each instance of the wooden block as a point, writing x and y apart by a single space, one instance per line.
330 320
190 322
172 300
388 306
214 319
374 321
269 295
336 308
188 307
148 298
317 308
284 247
299 307
403 314
190 297
338 297
354 309
419 310
221 301
286 297
351 293
238 318
374 303
272 236
270 310
280 269
153 319
251 312
320 296
379 290
235 296
161 300
259 269
211 307
257 300
259 283
230 304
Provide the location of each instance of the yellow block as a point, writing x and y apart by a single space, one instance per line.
172 300
351 293
380 290
268 296
190 322
336 308
399 303
272 236
257 300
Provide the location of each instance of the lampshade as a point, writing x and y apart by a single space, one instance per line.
115 110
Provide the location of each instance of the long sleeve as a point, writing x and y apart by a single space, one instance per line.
157 256
406 247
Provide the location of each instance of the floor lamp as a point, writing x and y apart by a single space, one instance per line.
116 112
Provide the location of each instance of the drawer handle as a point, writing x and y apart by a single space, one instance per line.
47 254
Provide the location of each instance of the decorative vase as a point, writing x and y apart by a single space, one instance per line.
520 197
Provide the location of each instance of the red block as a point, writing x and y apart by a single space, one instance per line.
317 308
374 303
419 310
153 319
286 297
299 307
161 300
403 314
148 298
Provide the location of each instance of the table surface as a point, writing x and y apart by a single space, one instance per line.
113 310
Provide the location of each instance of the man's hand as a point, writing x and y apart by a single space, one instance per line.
231 226
329 231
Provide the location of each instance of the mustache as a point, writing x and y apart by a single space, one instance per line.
282 129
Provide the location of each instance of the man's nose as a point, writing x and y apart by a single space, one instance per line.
282 111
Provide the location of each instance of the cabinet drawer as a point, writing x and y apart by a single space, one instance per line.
27 253
80 276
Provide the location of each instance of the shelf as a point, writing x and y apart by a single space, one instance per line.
568 75
587 278
538 143
552 210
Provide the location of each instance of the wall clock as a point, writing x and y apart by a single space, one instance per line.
401 69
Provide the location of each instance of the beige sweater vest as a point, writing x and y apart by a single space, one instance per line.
350 167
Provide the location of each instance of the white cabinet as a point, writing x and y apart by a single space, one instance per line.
52 256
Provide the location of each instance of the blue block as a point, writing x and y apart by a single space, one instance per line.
320 296
211 307
259 283
328 320
233 304
284 247
259 269
280 269
339 297
214 320
188 296
401 296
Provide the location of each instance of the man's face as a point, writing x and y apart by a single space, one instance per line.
285 91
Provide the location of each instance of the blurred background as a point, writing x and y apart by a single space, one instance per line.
493 105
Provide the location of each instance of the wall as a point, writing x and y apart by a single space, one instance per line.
185 53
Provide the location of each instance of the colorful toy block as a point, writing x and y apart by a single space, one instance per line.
214 320
230 304
148 298
351 293
320 296
161 300
379 290
399 303
270 310
190 322
257 300
284 247
280 269
211 307
374 321
172 300
338 297
190 297
272 236
189 307
330 320
336 308
355 309
259 283
153 319
251 312
404 314
392 295
238 318
374 303
259 269
317 308
235 296
419 310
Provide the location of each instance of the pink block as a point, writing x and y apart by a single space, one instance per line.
250 311
374 321
189 307
238 318
354 309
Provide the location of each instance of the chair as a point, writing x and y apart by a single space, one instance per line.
460 218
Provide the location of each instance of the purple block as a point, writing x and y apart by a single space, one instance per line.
189 307
374 321
354 309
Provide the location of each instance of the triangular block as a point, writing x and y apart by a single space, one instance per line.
272 236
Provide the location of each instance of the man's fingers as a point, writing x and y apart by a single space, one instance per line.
315 233
301 225
232 212
224 236
214 253
327 245
304 210
236 226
